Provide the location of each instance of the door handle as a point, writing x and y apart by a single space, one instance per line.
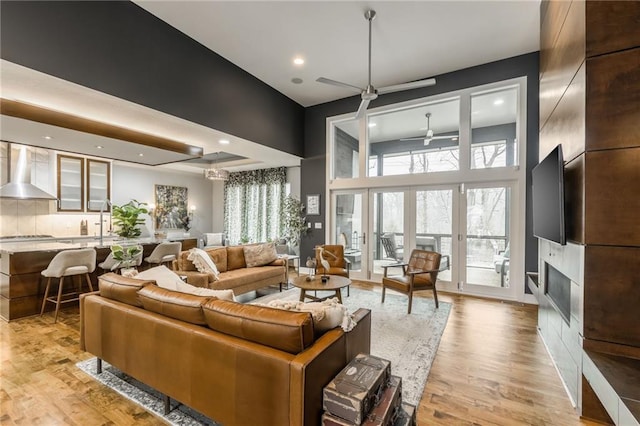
364 238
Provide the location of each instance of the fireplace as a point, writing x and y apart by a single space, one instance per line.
558 289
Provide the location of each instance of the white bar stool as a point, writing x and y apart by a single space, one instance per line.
64 264
164 253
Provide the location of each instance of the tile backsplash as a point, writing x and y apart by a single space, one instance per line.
39 217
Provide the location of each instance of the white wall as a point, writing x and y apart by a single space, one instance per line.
138 182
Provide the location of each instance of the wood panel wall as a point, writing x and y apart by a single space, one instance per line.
590 103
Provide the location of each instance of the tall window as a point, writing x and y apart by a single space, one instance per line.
252 203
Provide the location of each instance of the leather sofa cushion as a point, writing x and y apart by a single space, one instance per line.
259 254
122 289
181 306
219 257
287 331
240 277
235 258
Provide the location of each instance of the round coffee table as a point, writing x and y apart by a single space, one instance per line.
334 283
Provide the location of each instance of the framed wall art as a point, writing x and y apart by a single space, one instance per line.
171 207
313 204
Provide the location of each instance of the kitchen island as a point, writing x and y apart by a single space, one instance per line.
22 290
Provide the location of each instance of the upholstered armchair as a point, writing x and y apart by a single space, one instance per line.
420 273
338 264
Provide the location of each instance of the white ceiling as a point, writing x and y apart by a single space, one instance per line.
411 40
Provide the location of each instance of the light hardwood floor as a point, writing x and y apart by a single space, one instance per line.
491 369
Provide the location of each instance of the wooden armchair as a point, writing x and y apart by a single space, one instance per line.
420 273
338 264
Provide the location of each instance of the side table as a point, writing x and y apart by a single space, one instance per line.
296 264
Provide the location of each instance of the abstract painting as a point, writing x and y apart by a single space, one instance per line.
171 207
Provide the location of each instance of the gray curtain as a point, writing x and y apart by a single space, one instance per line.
252 205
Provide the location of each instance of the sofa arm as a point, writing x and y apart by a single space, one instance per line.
197 279
315 367
82 312
310 371
359 339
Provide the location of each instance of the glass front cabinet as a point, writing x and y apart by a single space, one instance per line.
81 179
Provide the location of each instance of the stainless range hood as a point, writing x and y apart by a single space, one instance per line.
19 170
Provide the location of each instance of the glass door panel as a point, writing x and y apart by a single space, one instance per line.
434 224
349 229
387 229
487 236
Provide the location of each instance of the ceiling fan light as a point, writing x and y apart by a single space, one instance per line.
216 174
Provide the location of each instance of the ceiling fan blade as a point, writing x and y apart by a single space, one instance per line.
407 86
363 107
445 137
338 83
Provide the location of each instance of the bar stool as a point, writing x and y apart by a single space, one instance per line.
164 253
65 264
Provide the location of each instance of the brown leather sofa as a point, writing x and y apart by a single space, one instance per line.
237 364
234 273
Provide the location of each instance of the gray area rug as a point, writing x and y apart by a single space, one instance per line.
410 342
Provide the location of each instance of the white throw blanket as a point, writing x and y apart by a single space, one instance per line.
326 314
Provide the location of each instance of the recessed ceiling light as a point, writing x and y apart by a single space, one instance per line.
99 146
296 80
141 155
224 142
373 124
298 61
47 137
498 102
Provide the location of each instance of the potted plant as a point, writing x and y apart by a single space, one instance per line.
293 220
127 218
126 257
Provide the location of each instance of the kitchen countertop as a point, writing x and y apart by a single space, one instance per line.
48 245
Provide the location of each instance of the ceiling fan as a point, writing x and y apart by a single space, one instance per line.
429 136
370 93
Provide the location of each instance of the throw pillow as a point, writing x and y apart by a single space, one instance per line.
259 254
203 262
213 239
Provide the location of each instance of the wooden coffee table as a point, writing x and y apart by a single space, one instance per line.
334 283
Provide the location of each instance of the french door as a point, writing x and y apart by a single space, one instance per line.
470 225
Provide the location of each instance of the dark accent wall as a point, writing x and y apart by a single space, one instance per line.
313 175
120 49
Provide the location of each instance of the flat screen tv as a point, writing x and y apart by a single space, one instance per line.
548 198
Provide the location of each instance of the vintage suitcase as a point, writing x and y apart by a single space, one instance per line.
357 388
406 415
384 414
329 419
